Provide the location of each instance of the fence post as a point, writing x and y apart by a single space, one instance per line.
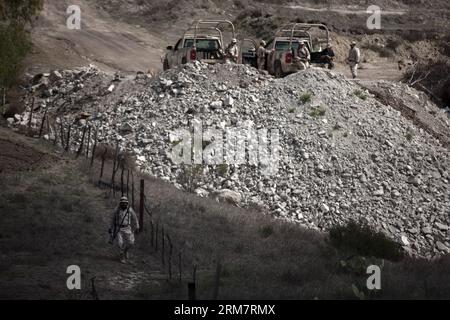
152 234
162 247
43 122
68 138
217 281
113 178
62 133
191 291
122 191
194 274
128 183
88 143
156 236
103 165
94 290
31 116
141 206
55 130
191 285
180 267
47 122
132 190
170 256
94 148
80 148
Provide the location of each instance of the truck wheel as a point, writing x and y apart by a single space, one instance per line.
166 65
278 70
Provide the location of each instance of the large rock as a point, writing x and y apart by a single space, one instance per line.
227 196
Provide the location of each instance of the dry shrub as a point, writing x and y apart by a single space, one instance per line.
12 109
108 151
431 77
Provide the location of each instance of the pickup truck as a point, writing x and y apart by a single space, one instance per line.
283 47
203 41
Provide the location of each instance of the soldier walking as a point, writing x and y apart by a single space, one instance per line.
124 224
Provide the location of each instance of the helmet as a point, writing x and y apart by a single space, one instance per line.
353 43
302 42
263 43
124 200
234 40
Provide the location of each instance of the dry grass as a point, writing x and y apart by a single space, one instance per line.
264 258
56 216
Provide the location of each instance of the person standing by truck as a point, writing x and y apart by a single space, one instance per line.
261 55
232 51
354 57
303 56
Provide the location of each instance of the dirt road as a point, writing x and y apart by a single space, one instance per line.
356 10
110 44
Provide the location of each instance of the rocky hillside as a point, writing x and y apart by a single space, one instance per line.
342 153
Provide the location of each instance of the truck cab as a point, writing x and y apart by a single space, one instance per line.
203 41
283 47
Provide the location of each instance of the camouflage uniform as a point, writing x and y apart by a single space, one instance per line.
354 57
233 51
261 54
124 223
303 57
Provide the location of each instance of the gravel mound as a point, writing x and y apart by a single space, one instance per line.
342 154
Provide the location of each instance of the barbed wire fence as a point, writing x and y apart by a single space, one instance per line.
81 139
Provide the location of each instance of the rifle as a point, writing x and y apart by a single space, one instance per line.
116 229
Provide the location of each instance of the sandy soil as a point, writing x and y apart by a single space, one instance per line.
108 43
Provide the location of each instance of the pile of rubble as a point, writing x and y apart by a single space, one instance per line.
342 154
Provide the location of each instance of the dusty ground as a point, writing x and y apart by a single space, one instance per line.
132 36
106 42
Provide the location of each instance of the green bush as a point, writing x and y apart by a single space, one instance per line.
360 94
360 239
14 45
222 169
317 112
409 136
14 38
305 98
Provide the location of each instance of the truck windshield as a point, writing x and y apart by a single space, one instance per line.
205 44
284 45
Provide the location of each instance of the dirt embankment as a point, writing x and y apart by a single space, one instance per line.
107 42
